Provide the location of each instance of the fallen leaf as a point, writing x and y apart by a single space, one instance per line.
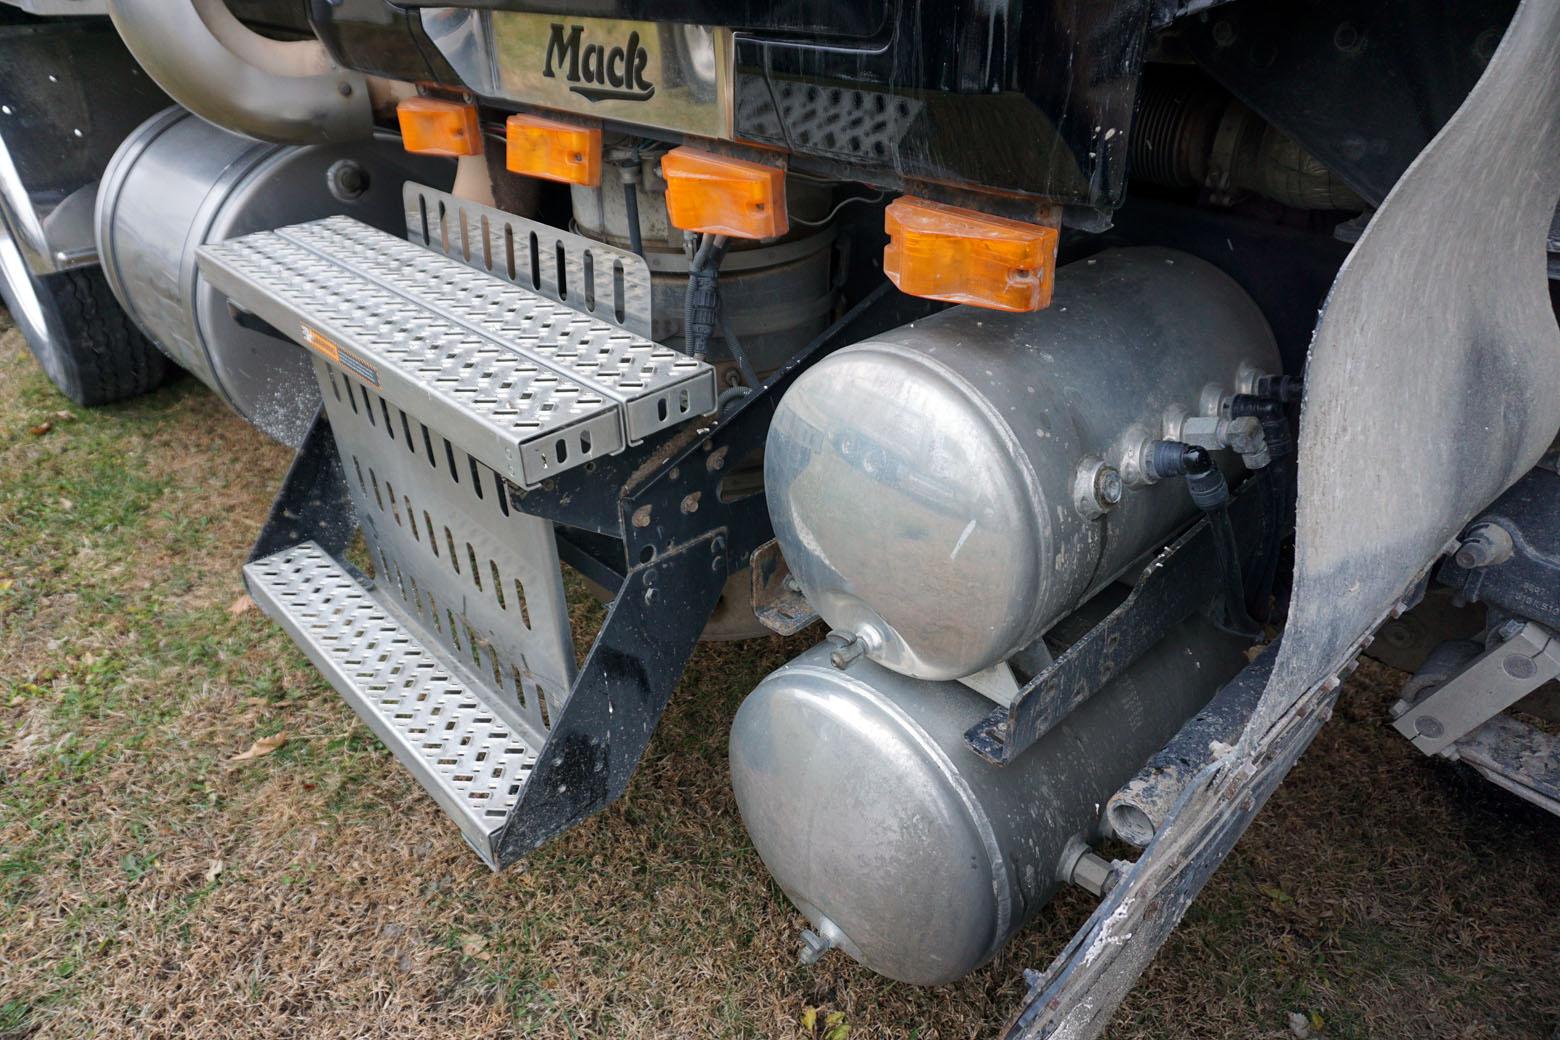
241 605
475 946
67 505
1299 1025
41 429
65 416
810 1020
214 870
261 747
6 584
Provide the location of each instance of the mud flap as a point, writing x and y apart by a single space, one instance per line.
1433 383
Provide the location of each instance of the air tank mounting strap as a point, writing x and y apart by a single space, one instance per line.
1178 582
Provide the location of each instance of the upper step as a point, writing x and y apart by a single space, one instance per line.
526 384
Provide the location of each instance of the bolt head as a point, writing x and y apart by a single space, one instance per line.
1107 486
1428 726
641 517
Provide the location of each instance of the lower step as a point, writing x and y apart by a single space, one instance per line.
455 736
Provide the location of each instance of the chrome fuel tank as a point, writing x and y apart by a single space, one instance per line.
933 488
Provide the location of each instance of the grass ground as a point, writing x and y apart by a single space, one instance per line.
149 887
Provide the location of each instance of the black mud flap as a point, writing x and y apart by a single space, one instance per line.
1433 383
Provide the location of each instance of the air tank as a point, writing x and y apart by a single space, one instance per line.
178 182
948 490
902 847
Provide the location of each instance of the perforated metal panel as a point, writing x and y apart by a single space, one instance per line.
518 415
528 385
590 276
657 386
480 578
471 757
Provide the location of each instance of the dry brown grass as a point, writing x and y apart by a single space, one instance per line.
150 889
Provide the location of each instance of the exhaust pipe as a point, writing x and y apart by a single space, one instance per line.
209 62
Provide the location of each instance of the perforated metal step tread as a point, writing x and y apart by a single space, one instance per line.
524 383
456 738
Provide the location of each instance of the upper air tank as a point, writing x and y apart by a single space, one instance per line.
944 490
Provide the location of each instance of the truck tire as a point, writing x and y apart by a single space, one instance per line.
92 352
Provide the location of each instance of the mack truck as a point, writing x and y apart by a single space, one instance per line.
1096 382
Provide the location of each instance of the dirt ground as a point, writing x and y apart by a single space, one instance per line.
152 887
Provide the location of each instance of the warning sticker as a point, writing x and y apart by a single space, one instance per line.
333 352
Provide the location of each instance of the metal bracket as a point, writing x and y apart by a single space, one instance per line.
1524 660
313 503
1179 581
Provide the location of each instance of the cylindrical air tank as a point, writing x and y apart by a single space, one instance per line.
948 490
899 844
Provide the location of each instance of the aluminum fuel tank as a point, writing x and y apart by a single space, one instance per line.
178 182
899 844
925 484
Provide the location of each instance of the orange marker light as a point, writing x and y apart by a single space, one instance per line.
720 196
432 126
539 147
945 253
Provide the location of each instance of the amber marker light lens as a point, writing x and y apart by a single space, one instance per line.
963 256
717 195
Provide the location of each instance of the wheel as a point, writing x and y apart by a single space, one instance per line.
82 338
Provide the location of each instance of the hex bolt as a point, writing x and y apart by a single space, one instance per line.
791 584
641 516
650 597
690 502
1107 486
851 647
1485 546
814 946
717 460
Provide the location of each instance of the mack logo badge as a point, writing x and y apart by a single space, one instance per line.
595 71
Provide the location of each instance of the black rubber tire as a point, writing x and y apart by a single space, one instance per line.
97 356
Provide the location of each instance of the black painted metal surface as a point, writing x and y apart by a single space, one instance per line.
891 92
1527 585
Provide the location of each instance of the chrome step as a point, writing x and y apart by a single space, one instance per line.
524 383
465 746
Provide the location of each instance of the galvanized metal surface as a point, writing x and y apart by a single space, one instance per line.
504 407
655 387
593 277
178 182
1398 449
526 385
922 483
908 852
466 750
481 577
